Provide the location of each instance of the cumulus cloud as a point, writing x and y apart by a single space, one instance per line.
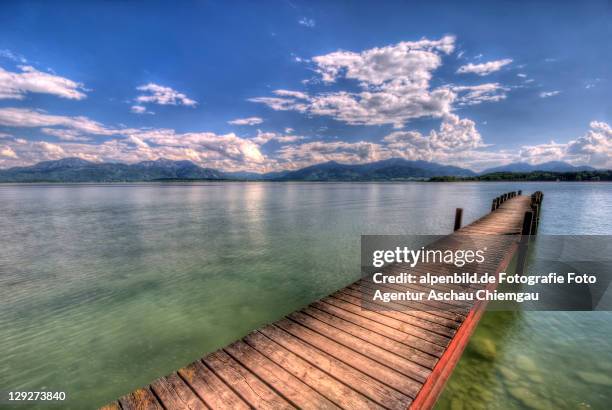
456 141
227 151
547 94
16 85
455 135
7 152
394 82
246 121
593 148
456 138
297 156
483 69
159 94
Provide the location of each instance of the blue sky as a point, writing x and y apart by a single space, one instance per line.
273 85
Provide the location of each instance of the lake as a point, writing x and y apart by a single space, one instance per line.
104 288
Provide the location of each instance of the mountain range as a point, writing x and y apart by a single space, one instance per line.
79 170
551 166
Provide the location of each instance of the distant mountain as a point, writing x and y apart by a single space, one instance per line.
390 169
552 166
79 170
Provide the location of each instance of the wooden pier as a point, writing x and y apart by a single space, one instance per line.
342 352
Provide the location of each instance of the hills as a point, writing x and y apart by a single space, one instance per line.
390 169
79 170
394 169
551 166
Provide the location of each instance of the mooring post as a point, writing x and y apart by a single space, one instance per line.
520 192
493 207
458 216
534 222
524 242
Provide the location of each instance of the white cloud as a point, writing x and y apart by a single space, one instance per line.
28 118
7 152
227 151
15 85
477 94
306 22
455 142
455 135
158 94
394 82
140 109
521 75
65 134
547 94
297 156
457 138
265 137
483 69
246 121
594 148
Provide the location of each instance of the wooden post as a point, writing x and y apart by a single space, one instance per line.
493 205
520 192
534 222
458 216
524 243
527 223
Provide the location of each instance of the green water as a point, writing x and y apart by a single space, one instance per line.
104 288
543 360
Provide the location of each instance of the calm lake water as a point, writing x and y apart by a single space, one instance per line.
104 288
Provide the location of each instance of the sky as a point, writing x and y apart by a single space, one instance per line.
271 85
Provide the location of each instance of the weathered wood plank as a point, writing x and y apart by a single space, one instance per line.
368 349
141 399
402 330
407 352
254 391
174 393
211 389
385 374
292 388
336 392
370 387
